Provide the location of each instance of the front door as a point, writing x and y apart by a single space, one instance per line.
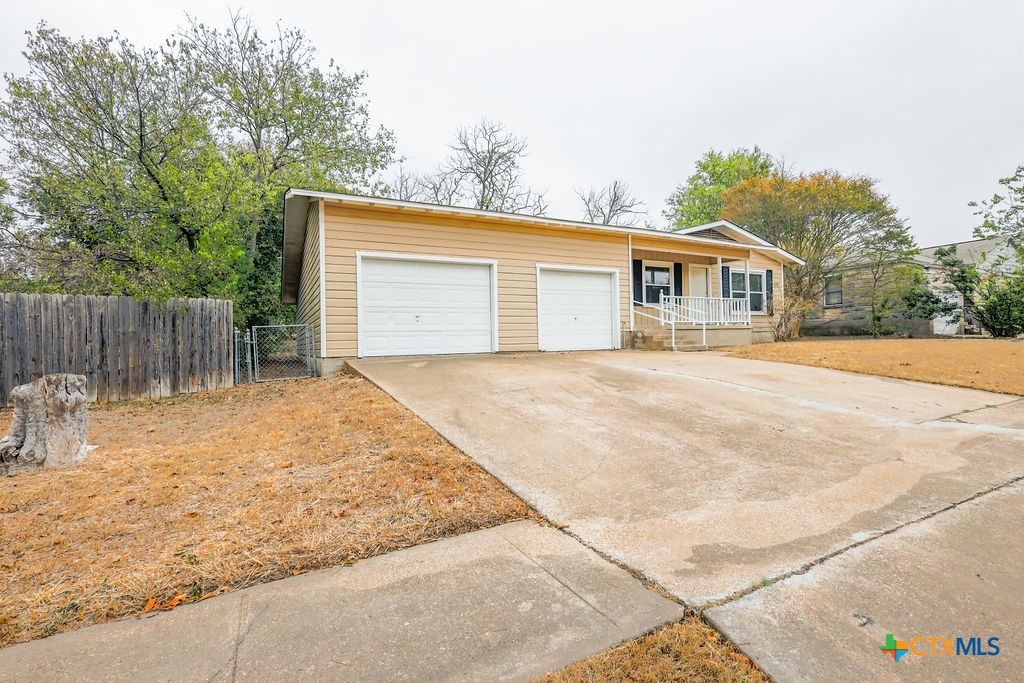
699 285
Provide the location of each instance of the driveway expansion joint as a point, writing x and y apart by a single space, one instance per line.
804 568
954 417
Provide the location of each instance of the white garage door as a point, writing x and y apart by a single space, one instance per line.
424 307
575 310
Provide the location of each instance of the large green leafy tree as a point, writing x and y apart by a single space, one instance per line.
994 297
292 123
158 173
830 221
699 199
118 184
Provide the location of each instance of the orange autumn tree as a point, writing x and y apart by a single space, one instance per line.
829 220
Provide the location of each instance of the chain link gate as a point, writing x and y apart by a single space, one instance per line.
266 353
243 357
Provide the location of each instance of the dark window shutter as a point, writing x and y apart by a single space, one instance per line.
725 283
677 275
768 289
638 282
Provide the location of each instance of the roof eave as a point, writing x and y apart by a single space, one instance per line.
296 201
293 241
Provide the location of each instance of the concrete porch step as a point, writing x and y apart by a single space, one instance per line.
688 339
663 342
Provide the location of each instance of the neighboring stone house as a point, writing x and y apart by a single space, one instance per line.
845 308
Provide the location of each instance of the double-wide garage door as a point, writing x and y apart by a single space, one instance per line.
419 307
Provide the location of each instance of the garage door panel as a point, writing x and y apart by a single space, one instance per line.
576 310
423 307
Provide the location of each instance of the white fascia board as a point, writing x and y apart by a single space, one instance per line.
359 200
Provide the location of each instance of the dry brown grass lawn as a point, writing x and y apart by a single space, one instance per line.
230 488
686 651
991 364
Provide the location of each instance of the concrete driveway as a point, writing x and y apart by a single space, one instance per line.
715 476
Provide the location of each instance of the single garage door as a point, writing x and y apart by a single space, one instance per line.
576 310
413 307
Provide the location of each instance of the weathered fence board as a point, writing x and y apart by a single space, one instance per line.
126 348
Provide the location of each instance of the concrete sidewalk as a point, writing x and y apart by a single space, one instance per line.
507 603
956 574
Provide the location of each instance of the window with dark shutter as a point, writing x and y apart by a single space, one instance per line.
738 288
657 282
638 282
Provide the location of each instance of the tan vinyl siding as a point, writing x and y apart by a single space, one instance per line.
308 306
517 249
761 324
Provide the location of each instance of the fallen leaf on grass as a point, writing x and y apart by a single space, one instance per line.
154 604
220 591
175 601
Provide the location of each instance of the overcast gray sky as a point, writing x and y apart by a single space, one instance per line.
927 97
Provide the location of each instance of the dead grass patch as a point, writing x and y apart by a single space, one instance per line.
990 364
228 489
685 651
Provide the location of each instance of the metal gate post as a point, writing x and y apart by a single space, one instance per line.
251 359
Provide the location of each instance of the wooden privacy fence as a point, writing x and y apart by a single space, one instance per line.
125 347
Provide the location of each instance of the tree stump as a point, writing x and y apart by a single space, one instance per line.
48 428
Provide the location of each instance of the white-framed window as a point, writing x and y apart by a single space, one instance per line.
658 279
738 288
834 291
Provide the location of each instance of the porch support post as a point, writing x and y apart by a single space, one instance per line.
746 277
632 294
722 306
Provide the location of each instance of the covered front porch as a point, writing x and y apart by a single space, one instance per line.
685 298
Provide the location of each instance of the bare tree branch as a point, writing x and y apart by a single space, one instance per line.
611 205
481 171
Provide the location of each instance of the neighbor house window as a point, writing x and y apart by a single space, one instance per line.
834 291
738 287
657 280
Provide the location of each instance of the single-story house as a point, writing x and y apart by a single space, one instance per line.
845 308
382 277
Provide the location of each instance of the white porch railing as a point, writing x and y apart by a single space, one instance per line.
699 310
704 310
